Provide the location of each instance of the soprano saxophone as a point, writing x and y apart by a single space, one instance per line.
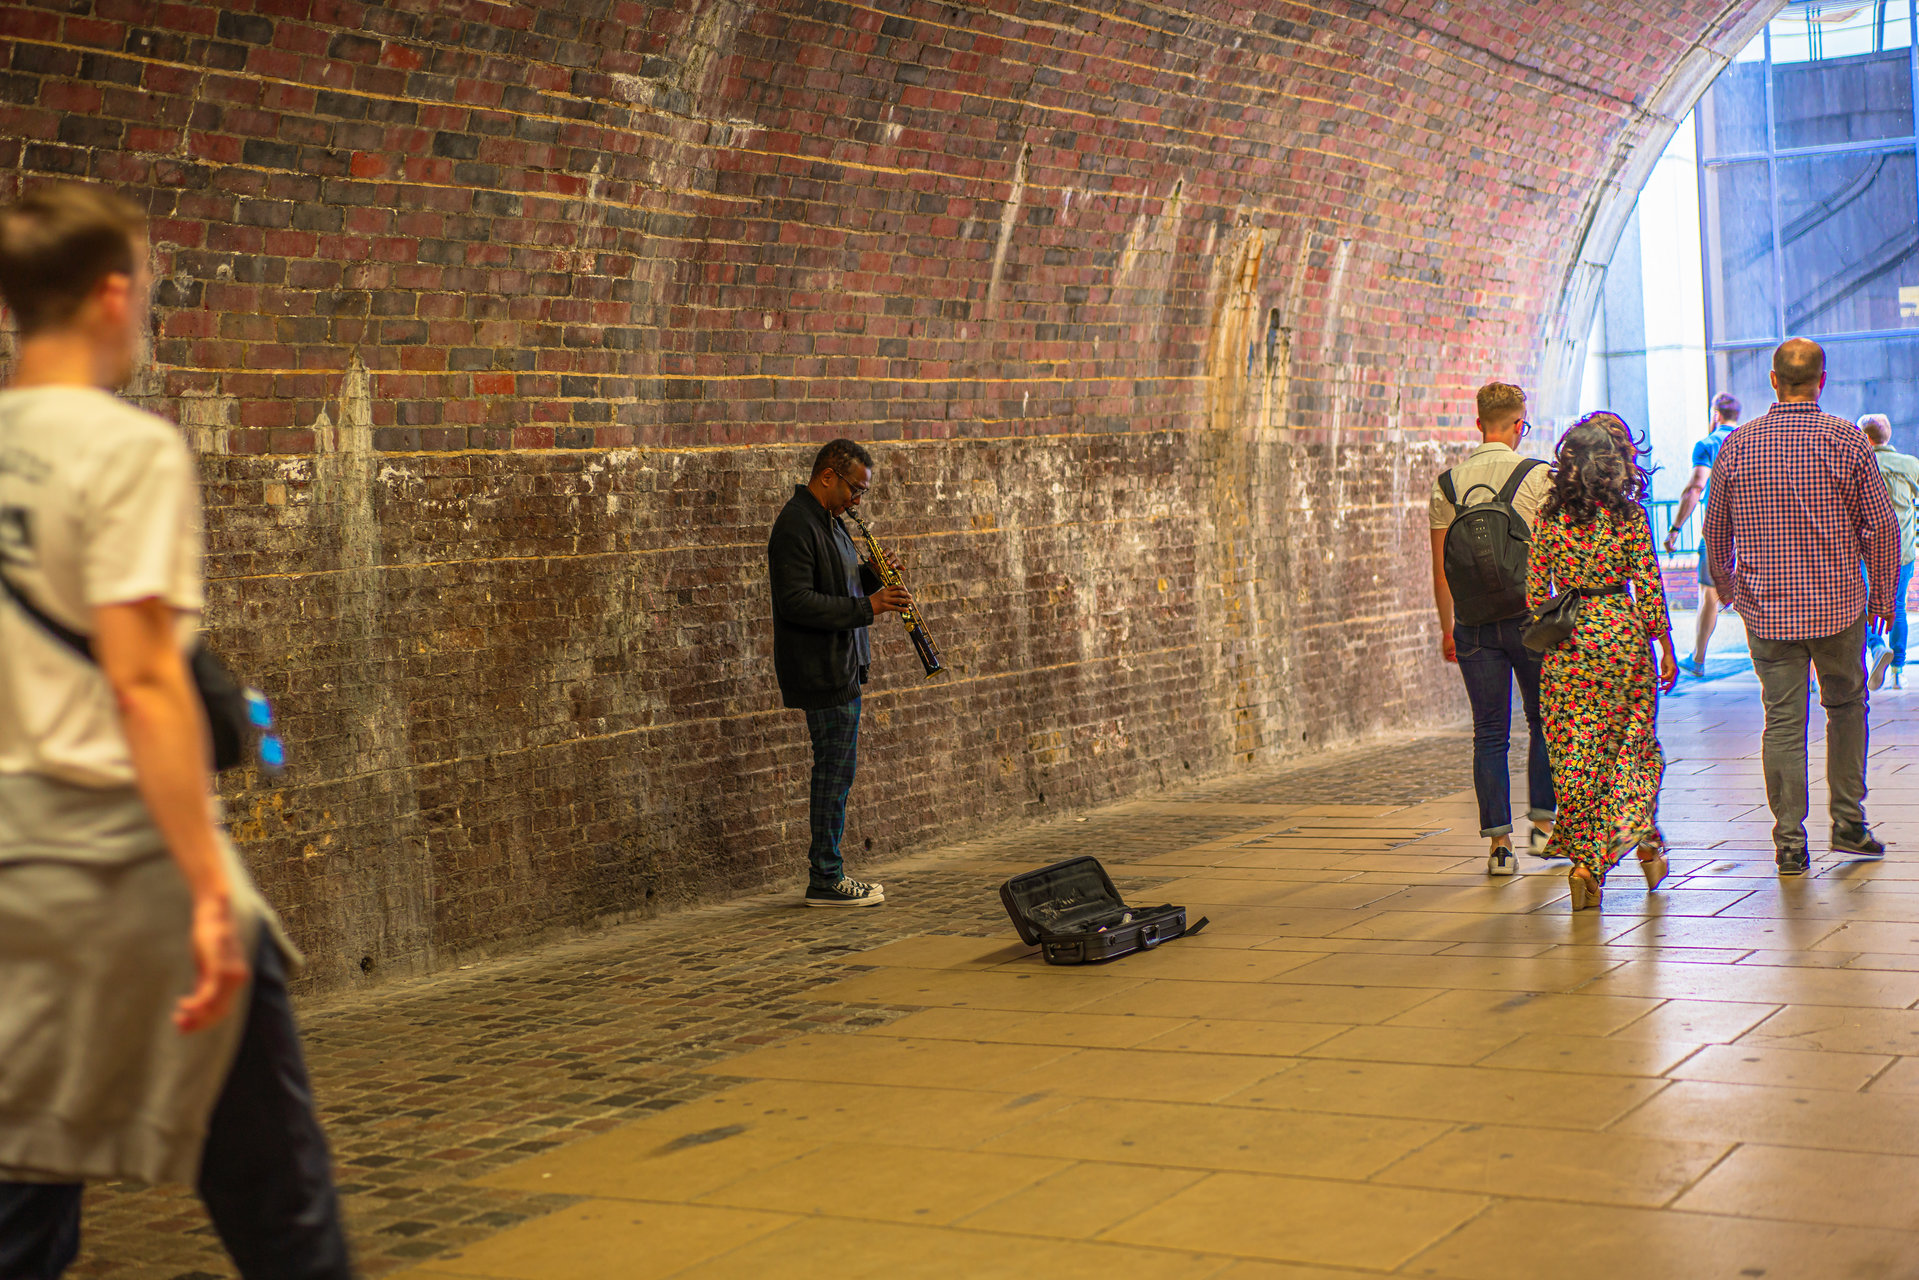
922 643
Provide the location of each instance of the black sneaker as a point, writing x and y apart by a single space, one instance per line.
1793 862
1858 840
847 893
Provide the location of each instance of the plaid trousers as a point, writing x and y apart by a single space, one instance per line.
836 747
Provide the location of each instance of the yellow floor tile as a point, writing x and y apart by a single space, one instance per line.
1700 1111
1523 1011
998 1026
1705 1021
842 1060
1797 1185
1765 985
1186 1136
1522 1240
1472 926
1467 1094
811 1113
1264 1039
826 1249
1786 1068
1081 1201
1460 973
1154 1077
1201 964
1557 1164
1438 1045
1300 1220
1276 1001
870 1180
1838 1030
635 1164
1595 1055
608 1240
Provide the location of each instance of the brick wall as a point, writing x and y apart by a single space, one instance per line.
504 330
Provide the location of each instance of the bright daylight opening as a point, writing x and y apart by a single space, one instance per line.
1787 204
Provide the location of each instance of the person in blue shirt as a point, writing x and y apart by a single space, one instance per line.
1725 417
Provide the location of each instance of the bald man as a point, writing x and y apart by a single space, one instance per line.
1796 505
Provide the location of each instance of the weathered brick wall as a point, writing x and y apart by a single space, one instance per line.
504 330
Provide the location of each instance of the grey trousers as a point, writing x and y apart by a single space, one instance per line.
1782 667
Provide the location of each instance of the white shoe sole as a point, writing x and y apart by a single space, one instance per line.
871 900
1502 867
1879 666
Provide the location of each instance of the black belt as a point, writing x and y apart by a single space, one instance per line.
1593 593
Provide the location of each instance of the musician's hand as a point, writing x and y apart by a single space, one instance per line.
891 600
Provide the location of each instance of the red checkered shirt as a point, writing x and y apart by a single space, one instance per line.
1796 505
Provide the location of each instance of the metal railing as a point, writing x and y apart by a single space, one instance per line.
1660 513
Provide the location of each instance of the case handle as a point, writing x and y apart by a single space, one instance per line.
1148 936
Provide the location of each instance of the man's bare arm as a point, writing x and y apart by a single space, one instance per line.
166 732
1688 499
1443 597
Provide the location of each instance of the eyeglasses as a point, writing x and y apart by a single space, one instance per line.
859 490
272 752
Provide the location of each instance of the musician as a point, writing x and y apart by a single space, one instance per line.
824 598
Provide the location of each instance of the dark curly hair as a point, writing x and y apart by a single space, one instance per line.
1629 449
1592 475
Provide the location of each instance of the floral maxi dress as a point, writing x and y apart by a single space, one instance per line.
1597 689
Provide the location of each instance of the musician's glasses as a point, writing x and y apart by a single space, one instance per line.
859 490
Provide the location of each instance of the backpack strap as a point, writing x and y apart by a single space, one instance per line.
1510 489
59 631
1446 487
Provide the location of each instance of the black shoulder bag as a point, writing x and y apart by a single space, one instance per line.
1558 618
225 701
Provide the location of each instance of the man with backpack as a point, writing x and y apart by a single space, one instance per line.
1482 512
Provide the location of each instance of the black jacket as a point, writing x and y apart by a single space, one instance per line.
816 618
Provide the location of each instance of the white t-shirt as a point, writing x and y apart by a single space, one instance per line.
99 505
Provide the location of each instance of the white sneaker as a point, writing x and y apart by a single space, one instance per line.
1536 843
1501 862
1898 677
847 893
1879 665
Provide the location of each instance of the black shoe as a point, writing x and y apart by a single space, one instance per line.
1858 840
1793 862
847 893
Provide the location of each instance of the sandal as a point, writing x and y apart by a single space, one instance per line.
1585 889
1652 859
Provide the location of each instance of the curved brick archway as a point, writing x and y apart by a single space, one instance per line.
503 330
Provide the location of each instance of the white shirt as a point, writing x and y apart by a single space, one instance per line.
1491 464
99 505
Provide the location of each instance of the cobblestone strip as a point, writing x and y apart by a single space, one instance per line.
426 1085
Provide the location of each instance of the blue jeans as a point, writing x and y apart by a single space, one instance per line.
1491 657
1897 637
265 1175
836 755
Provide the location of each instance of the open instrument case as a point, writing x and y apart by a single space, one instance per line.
1074 915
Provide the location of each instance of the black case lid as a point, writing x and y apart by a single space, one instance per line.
1068 897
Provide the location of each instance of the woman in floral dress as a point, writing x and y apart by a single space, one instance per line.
1597 688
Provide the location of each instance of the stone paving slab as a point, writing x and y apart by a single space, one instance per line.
426 1085
1376 1062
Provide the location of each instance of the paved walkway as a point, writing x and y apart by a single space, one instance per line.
1376 1061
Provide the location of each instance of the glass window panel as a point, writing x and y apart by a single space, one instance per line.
1732 114
1849 228
1736 206
1833 80
1743 372
1875 375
